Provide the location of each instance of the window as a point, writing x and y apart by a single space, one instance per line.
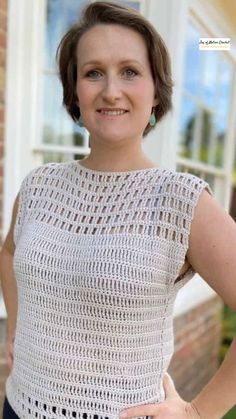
58 129
205 109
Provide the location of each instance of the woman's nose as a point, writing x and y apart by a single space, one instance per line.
111 89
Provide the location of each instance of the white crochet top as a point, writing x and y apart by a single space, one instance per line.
96 259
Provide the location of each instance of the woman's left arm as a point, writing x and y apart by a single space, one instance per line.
212 253
219 395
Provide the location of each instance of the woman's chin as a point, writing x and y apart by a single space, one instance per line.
111 136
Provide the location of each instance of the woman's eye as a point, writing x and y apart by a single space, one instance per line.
93 74
130 72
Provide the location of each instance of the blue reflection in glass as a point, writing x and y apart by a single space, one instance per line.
209 76
224 89
58 127
61 14
186 128
133 4
193 62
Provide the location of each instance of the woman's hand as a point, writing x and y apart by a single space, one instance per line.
174 407
9 345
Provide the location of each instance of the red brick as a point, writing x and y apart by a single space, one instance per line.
2 97
3 21
2 40
1 114
4 5
1 151
197 340
2 78
2 58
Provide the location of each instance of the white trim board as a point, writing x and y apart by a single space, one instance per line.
194 293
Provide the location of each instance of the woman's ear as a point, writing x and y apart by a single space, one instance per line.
155 102
77 100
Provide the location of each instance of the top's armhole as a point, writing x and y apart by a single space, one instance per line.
197 187
32 177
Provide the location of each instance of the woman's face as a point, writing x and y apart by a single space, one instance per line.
115 87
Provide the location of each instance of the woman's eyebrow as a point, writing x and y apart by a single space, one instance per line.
122 62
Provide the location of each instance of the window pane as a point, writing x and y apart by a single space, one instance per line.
206 103
205 135
224 88
187 123
193 61
50 156
133 4
209 76
61 14
220 130
58 127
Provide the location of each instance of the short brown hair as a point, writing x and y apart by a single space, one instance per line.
103 12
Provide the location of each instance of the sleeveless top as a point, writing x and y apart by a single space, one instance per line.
96 262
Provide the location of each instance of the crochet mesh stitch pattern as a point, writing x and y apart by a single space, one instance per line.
96 262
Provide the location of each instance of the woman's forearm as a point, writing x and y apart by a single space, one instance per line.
219 395
9 289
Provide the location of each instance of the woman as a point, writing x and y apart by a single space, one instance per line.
102 245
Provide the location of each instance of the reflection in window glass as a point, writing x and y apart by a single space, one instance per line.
134 4
58 127
49 156
187 123
205 135
220 133
224 89
61 14
192 61
209 77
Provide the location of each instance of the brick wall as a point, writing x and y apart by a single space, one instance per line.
3 31
197 342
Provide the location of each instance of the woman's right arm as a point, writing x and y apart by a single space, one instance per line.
8 283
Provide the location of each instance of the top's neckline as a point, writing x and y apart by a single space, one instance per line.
102 172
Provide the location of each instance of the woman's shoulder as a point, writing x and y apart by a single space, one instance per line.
39 173
185 183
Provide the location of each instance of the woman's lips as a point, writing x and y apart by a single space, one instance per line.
112 112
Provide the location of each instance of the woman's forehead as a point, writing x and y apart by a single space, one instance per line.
103 41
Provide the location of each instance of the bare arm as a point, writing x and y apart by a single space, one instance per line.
7 278
212 252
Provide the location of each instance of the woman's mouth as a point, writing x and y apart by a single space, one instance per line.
112 112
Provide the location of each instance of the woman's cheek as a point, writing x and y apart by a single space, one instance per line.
85 92
142 92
